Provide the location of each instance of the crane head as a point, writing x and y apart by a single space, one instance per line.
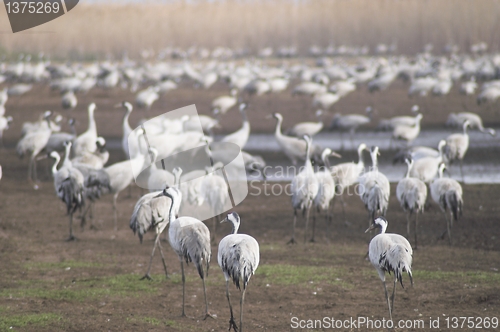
415 108
378 222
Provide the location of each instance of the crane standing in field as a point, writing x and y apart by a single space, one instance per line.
35 141
390 253
412 195
304 190
190 239
150 212
238 257
374 188
457 145
350 122
240 137
346 174
326 189
86 141
69 185
307 128
447 193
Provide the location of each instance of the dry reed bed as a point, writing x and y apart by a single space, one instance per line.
110 28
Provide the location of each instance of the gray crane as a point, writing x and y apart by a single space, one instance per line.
447 193
374 188
412 195
457 145
238 257
151 212
304 190
69 186
347 174
240 137
190 239
350 123
86 141
390 253
326 189
34 142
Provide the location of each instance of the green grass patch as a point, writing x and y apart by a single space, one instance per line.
31 320
125 285
471 277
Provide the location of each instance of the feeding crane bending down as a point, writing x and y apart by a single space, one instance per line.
426 168
374 188
307 128
347 174
447 193
457 145
475 122
223 104
350 122
190 239
304 190
326 189
390 124
238 257
407 133
412 195
390 253
69 185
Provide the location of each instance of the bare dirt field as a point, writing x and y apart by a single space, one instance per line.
92 284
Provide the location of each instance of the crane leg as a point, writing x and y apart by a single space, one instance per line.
147 276
207 313
163 258
387 297
183 287
71 237
393 295
416 229
115 197
292 240
448 227
408 225
343 208
307 222
461 171
241 308
232 324
35 173
314 226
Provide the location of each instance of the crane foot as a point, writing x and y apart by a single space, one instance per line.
209 315
232 325
71 238
292 241
146 276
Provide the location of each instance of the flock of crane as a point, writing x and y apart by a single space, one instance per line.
83 176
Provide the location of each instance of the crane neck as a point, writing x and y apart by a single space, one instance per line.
374 161
410 165
92 125
308 155
383 228
361 161
54 167
236 226
277 131
126 126
67 161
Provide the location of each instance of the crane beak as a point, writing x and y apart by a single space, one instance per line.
372 227
224 220
335 154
